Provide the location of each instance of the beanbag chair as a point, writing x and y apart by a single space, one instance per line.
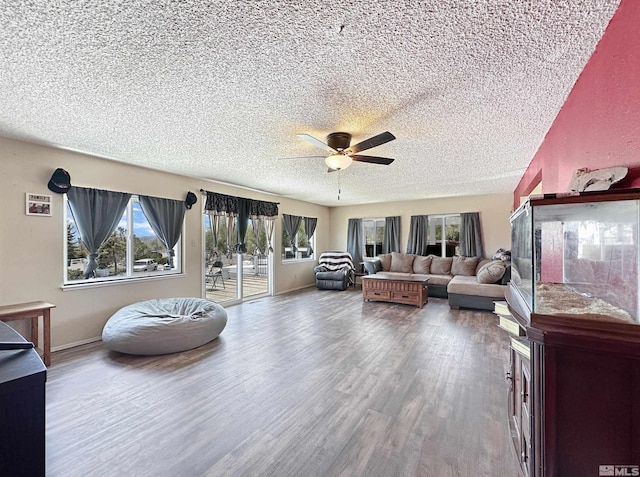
162 326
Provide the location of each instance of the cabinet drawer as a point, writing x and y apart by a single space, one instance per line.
378 294
411 297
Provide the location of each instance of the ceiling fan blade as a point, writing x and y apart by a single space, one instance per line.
373 159
332 170
371 142
316 142
301 157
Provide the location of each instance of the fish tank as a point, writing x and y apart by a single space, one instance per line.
576 255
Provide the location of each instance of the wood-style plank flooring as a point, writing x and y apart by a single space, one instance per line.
310 383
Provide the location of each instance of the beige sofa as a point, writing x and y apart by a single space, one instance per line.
468 282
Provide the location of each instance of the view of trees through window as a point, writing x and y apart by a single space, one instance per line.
112 255
444 235
301 244
373 236
224 248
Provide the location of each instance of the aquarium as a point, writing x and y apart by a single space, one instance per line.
577 255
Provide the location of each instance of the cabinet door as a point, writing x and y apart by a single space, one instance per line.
519 408
525 415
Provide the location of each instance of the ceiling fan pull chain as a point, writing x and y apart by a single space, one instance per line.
339 187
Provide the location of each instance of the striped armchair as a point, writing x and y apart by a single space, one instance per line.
334 271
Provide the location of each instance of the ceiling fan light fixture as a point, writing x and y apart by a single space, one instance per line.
338 161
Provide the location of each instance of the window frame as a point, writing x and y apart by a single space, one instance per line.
376 225
302 231
129 274
432 240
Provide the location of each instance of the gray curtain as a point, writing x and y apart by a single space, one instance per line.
471 235
231 232
291 225
256 225
391 239
165 217
309 229
418 235
243 223
355 241
214 225
96 213
269 226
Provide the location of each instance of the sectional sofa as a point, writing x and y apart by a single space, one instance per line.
467 282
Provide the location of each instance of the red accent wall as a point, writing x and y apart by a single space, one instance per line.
599 124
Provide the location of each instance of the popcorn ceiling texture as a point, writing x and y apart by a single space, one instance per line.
218 90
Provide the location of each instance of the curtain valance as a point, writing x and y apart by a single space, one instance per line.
229 204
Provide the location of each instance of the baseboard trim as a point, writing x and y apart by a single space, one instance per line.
295 289
75 343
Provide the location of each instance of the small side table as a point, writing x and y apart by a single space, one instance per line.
33 311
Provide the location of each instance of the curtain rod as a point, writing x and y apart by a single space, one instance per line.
204 191
130 193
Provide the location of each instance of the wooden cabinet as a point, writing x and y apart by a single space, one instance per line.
587 387
574 403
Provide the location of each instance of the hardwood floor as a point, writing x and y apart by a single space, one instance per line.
311 383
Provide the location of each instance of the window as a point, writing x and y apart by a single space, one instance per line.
444 235
373 236
301 244
133 250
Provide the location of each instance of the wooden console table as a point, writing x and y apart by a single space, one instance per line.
33 311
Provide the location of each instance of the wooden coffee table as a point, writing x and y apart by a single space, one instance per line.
395 290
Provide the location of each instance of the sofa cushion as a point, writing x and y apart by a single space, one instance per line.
463 285
439 279
465 266
441 265
422 264
491 272
385 261
401 262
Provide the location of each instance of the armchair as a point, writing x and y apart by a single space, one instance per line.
334 271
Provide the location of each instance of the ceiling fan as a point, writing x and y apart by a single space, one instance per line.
342 154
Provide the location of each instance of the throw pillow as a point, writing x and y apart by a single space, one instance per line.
385 261
441 265
491 272
422 264
401 262
481 263
372 266
464 266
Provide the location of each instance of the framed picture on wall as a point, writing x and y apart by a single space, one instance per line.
38 204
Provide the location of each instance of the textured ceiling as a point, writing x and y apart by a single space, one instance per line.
218 89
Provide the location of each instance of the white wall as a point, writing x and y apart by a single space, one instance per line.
32 266
494 210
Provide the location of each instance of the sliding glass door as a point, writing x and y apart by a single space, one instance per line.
230 275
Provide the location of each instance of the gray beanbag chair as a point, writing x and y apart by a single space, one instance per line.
162 326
